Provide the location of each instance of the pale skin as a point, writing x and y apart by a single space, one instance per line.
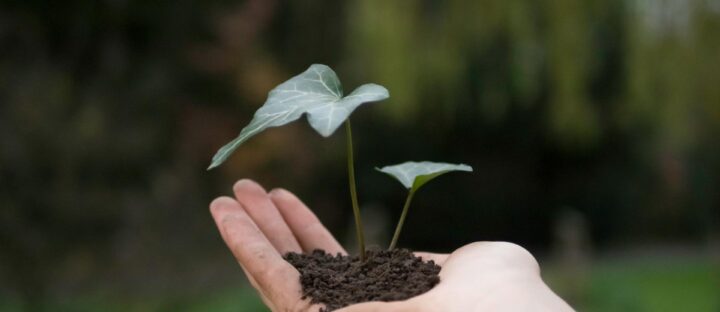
259 227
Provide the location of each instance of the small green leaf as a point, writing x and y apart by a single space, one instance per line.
413 175
317 92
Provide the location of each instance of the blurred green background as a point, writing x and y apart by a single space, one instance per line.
592 126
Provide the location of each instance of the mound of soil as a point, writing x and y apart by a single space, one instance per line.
338 281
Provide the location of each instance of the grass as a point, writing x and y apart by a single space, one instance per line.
636 285
642 285
232 299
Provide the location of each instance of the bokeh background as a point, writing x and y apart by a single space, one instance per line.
592 126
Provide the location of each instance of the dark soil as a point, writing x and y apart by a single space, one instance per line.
339 281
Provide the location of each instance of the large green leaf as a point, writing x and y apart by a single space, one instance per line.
317 92
413 175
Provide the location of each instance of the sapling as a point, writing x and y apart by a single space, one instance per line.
318 93
413 175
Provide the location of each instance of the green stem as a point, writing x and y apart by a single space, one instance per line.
396 236
353 191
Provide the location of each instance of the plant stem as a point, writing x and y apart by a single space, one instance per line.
353 191
402 220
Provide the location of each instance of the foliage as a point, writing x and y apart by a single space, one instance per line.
316 92
414 175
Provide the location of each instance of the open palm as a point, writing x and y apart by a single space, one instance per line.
259 227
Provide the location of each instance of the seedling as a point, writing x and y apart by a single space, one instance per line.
318 93
413 175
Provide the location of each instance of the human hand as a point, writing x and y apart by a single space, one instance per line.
481 276
260 227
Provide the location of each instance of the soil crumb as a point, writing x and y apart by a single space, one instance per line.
338 281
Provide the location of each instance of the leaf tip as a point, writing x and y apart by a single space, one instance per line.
318 65
386 93
325 133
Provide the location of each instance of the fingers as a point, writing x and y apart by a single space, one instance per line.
259 290
306 227
265 215
255 253
439 259
262 261
220 208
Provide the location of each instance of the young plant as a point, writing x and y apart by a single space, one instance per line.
413 175
318 93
